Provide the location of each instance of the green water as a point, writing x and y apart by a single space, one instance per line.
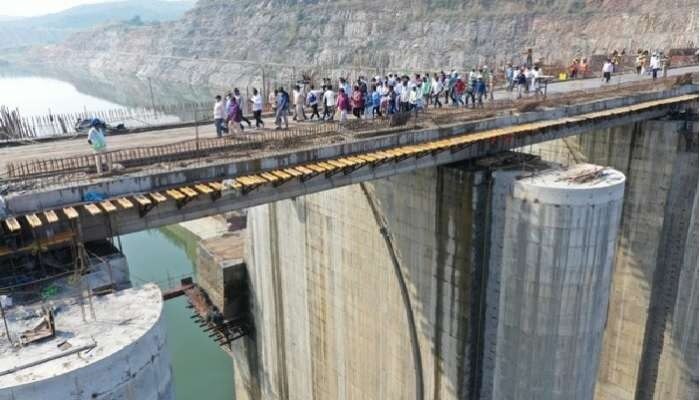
201 370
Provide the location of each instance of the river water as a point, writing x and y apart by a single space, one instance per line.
201 369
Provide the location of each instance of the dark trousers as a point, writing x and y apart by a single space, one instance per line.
314 111
220 127
404 106
244 119
376 111
606 75
356 112
258 118
437 100
654 73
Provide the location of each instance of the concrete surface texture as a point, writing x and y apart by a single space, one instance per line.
125 357
329 316
553 243
650 345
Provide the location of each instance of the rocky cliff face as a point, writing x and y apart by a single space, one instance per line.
225 41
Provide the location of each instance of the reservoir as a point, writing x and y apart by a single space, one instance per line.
200 368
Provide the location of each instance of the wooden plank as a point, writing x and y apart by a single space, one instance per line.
269 177
315 168
281 174
189 192
327 166
92 209
175 194
12 224
204 188
158 198
293 172
304 170
51 216
235 185
70 213
108 206
142 200
125 203
33 220
336 163
216 186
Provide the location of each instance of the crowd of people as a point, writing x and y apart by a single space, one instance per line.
363 98
394 93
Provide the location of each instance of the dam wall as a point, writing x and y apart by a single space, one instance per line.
384 290
651 339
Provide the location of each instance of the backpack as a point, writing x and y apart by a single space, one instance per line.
312 98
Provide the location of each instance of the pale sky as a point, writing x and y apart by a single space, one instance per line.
39 7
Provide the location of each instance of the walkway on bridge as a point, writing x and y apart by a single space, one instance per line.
78 146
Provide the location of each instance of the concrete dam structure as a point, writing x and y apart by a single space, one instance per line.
445 283
650 345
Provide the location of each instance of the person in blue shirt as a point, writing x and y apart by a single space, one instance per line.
480 91
376 103
282 103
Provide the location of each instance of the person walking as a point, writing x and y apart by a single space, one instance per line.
437 89
299 99
234 116
426 89
257 106
404 95
522 82
356 102
343 104
312 101
282 112
480 91
219 116
242 105
654 65
376 103
328 103
608 68
96 139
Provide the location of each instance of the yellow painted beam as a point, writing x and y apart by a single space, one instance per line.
92 209
125 203
70 213
158 198
33 220
108 206
51 216
142 200
12 224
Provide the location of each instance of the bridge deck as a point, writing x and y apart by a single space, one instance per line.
201 196
78 146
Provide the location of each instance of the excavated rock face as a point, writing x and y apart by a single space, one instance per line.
392 34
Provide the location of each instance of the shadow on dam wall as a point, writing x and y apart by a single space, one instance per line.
651 334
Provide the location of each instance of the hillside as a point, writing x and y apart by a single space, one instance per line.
342 35
53 28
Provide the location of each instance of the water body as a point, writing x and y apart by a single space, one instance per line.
201 369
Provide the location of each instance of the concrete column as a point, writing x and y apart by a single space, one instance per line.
553 243
660 160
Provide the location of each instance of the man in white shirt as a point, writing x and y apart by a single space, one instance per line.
219 116
655 65
328 103
607 70
257 105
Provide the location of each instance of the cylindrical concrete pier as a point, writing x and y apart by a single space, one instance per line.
549 278
121 354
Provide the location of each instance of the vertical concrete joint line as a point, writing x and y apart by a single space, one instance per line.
381 222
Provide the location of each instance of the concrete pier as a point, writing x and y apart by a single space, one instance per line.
650 344
553 242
